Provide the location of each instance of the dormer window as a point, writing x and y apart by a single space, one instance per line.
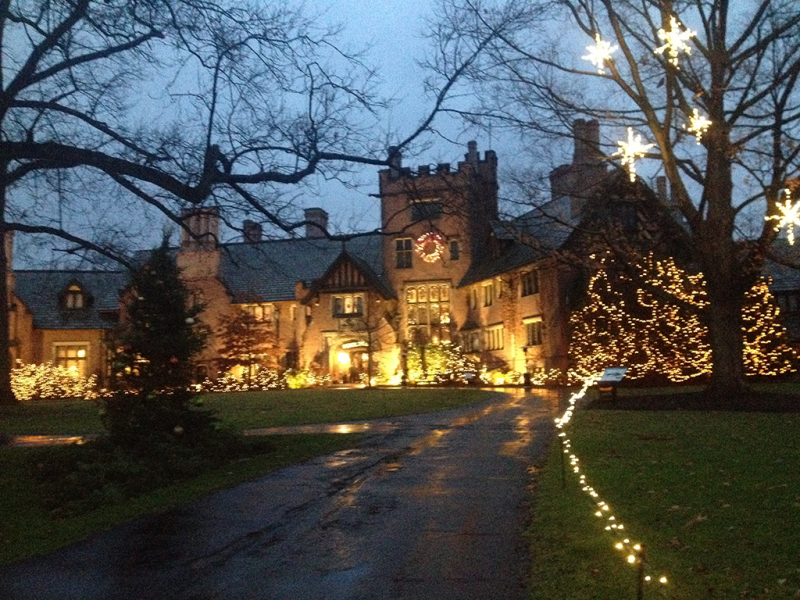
74 298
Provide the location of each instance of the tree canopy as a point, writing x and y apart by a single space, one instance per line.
717 112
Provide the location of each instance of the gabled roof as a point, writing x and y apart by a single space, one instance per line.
268 271
42 292
349 273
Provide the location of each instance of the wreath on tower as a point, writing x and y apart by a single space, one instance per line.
430 246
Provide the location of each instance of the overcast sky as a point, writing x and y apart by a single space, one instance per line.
394 33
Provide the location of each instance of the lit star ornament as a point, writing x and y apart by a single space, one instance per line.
631 150
789 217
698 125
674 40
599 53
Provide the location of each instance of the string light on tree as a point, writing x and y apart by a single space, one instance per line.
674 40
789 217
630 150
698 125
599 53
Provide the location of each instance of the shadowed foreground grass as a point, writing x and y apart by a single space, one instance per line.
714 496
27 529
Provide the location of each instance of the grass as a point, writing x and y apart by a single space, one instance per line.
243 410
26 528
714 496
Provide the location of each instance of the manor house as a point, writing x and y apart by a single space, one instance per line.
444 268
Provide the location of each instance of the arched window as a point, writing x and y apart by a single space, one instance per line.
74 297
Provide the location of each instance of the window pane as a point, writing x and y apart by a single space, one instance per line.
422 293
445 295
434 293
411 294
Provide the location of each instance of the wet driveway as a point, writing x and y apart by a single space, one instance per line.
432 507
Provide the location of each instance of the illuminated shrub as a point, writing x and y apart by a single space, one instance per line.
48 381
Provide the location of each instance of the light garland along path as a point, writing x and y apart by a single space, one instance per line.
632 550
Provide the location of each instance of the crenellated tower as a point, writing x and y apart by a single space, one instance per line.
436 221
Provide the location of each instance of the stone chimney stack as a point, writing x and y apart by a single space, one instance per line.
318 225
587 142
203 229
395 162
661 190
251 231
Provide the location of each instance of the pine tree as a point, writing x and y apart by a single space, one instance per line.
161 334
765 349
622 325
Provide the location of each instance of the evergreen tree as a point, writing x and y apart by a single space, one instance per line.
161 334
624 325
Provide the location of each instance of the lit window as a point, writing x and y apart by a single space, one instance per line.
428 313
488 294
533 331
403 253
530 283
347 306
493 338
74 297
72 357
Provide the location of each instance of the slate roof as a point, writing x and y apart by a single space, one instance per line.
267 271
523 241
41 292
784 276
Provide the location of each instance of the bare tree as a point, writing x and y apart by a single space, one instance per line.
739 72
110 106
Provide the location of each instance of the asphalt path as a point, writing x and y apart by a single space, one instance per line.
433 506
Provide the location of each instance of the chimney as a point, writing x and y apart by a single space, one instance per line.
395 162
318 222
587 142
661 189
203 223
251 231
471 156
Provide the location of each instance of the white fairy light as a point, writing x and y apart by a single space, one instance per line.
789 217
631 550
631 150
599 53
698 125
674 40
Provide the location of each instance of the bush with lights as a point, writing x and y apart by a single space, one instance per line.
48 381
623 324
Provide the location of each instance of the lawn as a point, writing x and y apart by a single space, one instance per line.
243 410
714 496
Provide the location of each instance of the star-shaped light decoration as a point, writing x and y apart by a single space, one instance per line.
698 125
674 40
599 53
789 217
631 150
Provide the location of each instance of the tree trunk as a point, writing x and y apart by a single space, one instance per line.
727 343
7 397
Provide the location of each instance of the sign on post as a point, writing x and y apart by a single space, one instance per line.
609 379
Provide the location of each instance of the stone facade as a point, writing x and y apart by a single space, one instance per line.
443 268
